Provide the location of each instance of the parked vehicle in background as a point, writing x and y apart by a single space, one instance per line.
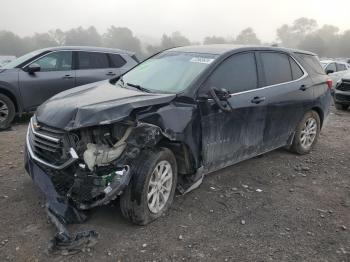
175 117
335 69
28 81
342 93
5 59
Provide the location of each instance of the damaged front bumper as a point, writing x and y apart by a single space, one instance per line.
71 178
82 190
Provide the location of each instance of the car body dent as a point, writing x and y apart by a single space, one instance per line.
94 104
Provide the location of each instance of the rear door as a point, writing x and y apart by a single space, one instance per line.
290 93
93 67
56 75
229 137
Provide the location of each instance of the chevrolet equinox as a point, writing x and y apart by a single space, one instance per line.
167 122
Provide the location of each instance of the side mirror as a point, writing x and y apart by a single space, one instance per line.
329 71
32 68
220 97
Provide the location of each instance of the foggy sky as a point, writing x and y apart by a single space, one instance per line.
151 18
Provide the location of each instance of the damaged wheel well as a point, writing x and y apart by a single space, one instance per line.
183 155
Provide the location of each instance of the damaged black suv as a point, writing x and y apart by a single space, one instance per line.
177 116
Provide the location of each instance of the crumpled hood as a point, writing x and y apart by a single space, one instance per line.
93 104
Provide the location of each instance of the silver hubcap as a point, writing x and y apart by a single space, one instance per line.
159 186
308 133
4 111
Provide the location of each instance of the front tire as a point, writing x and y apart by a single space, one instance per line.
341 107
7 112
307 133
152 188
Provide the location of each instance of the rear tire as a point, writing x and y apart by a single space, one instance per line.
148 184
7 111
306 134
341 107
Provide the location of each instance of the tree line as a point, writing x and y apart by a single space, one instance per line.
303 33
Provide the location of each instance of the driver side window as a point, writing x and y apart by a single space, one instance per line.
56 61
237 73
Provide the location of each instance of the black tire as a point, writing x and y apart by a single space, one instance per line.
341 107
297 146
11 112
134 202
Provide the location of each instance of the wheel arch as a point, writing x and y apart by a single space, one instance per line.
182 152
12 97
320 113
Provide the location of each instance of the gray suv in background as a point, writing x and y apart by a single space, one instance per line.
28 81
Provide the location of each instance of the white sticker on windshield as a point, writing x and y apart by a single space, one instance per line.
202 60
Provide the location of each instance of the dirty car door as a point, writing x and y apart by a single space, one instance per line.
229 137
290 95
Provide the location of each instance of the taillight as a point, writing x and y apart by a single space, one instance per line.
330 83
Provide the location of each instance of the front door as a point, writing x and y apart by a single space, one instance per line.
230 137
55 75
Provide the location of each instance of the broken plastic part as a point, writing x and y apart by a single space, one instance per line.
64 243
119 180
96 155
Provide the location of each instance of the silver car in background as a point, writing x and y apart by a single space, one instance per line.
5 59
335 69
28 81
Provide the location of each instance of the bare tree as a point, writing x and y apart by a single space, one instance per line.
247 36
123 38
291 36
214 40
81 36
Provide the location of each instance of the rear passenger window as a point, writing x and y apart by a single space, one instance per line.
297 72
117 60
277 68
236 74
341 67
92 60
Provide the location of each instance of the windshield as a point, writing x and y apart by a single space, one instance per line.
21 60
168 72
324 64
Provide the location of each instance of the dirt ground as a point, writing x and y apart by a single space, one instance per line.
301 214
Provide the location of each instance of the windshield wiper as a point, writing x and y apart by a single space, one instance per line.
139 87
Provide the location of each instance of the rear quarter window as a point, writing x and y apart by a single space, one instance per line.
312 64
117 60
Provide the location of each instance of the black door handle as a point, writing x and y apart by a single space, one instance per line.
303 87
67 77
110 74
258 99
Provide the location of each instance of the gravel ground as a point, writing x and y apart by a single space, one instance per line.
277 207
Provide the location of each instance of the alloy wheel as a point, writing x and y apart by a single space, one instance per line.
4 111
308 133
159 186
